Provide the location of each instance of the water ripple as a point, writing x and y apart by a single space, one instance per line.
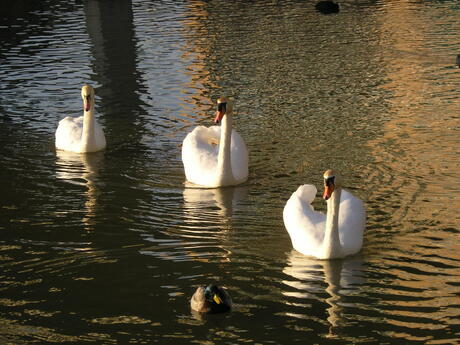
108 247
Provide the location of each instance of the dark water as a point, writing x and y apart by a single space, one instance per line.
107 248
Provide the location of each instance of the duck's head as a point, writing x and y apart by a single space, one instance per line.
87 93
332 181
224 106
214 295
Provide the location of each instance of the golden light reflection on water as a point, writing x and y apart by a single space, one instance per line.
195 53
415 163
416 156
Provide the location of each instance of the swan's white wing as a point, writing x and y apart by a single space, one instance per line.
352 221
304 225
199 154
239 157
68 133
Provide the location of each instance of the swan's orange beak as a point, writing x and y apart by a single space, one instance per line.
328 189
219 115
87 103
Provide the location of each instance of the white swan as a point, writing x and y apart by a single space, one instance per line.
216 156
81 134
335 235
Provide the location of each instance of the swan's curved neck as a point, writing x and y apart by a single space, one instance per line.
88 137
224 163
331 243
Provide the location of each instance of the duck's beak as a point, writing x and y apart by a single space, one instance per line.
87 103
217 299
221 109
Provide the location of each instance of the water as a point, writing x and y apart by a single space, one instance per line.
108 248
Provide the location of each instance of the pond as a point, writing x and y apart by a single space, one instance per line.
108 247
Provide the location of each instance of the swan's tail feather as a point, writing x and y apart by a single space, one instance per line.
306 193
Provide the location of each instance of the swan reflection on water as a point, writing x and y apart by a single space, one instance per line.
82 169
220 200
340 276
208 214
203 230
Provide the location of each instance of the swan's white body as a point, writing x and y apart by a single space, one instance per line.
81 134
215 156
335 235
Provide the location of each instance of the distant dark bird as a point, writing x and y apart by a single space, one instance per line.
327 7
457 61
211 299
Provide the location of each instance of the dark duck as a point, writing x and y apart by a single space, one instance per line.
211 299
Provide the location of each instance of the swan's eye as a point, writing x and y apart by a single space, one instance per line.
222 106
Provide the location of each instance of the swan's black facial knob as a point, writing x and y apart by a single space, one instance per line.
329 185
222 107
221 110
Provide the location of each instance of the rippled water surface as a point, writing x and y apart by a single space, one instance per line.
107 248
